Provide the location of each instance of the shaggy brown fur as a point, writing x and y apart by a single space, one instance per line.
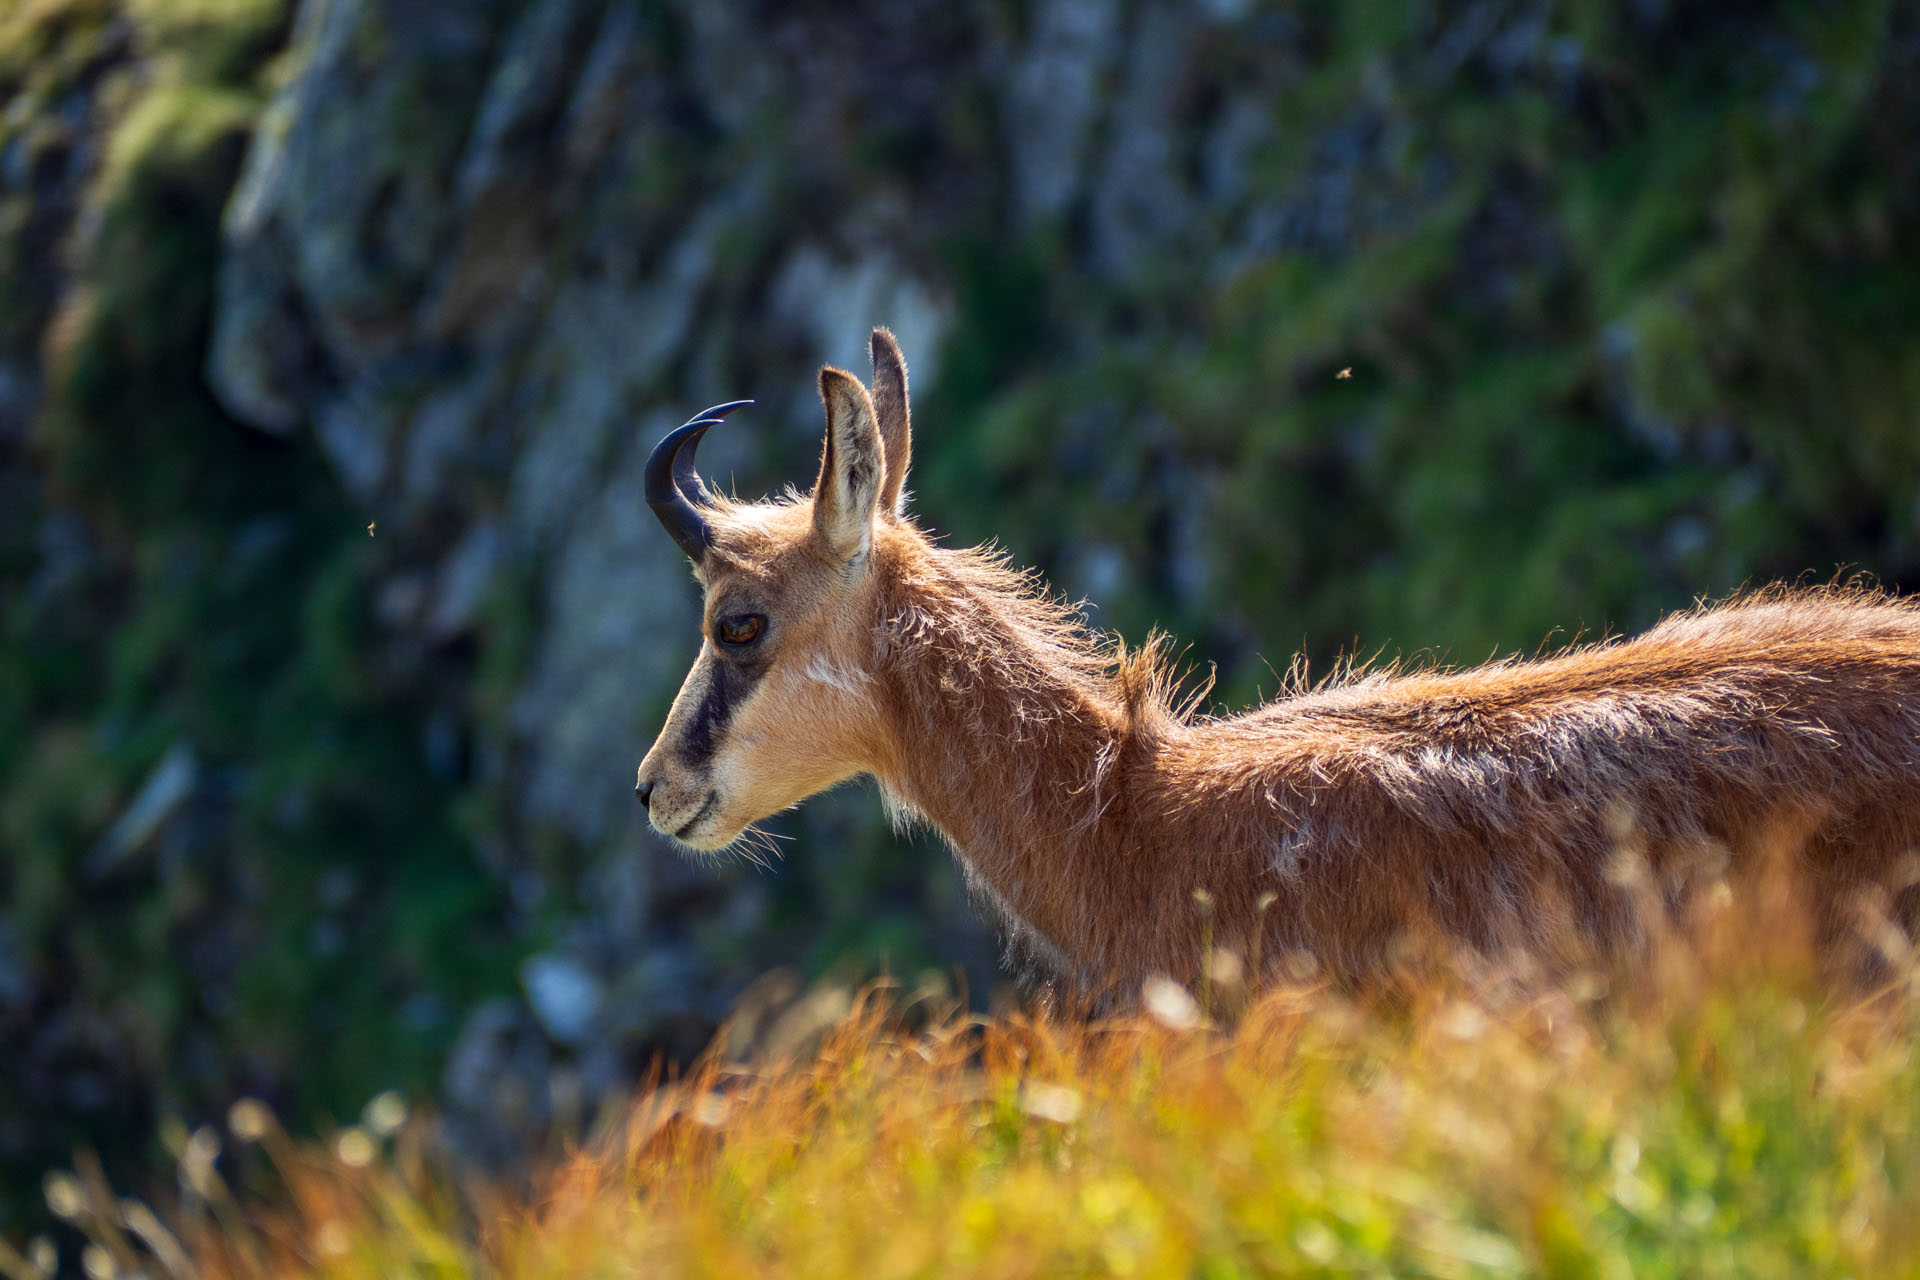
1501 808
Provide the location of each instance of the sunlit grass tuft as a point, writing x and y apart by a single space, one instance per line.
1728 1119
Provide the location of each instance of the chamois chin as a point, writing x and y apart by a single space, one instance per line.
1492 809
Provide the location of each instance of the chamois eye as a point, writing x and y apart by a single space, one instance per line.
742 628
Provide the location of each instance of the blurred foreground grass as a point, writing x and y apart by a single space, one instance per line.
1721 1118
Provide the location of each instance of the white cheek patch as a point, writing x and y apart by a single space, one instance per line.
846 679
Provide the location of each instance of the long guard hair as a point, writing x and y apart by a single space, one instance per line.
1524 806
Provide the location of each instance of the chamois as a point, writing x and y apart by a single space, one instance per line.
1087 803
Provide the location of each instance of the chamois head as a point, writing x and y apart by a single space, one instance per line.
780 703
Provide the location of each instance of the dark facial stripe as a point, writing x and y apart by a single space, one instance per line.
728 684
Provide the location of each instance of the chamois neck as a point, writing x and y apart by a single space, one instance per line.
1018 742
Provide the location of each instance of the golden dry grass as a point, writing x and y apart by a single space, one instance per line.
1721 1117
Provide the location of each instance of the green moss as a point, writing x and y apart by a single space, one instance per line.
47 45
1698 357
324 917
212 41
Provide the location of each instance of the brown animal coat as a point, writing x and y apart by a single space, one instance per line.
1490 807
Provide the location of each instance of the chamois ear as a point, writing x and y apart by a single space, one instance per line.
852 465
896 423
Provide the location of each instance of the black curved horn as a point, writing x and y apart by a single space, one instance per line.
684 476
674 490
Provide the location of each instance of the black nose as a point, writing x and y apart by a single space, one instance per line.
643 792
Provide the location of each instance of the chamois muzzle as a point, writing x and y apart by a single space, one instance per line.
674 489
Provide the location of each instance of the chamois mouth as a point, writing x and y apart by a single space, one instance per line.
706 809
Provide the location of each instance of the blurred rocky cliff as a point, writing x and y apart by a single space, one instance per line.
336 333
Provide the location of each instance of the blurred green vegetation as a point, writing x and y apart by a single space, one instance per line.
1652 332
1640 330
316 933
